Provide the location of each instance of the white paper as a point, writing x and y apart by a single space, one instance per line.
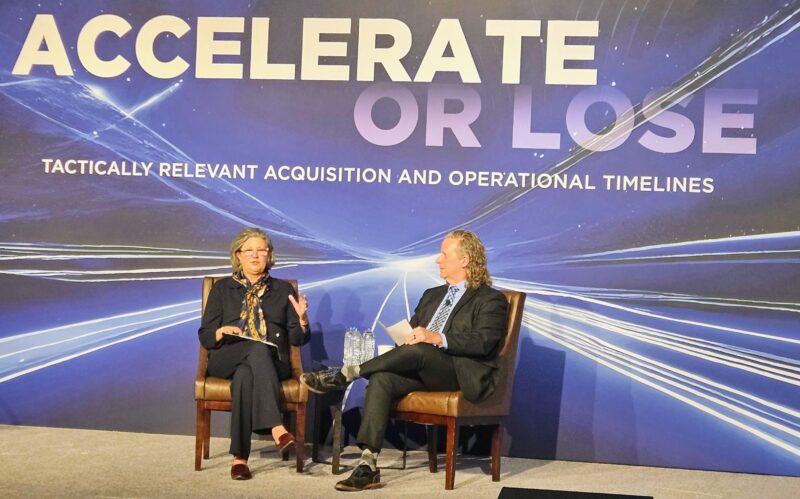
245 337
399 331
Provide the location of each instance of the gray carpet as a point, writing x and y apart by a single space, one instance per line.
52 462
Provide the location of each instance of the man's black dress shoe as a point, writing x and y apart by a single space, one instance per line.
325 381
362 478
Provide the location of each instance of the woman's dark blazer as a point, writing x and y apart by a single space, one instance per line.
224 306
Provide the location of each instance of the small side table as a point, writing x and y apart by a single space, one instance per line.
335 433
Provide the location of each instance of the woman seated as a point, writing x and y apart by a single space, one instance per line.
252 303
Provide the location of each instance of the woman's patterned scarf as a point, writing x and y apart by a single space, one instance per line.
251 320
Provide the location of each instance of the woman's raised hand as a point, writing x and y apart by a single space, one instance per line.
301 307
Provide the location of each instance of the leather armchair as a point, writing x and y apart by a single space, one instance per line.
452 410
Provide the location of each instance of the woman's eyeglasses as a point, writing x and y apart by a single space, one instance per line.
252 252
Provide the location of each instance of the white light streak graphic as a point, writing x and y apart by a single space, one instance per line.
32 351
380 309
154 99
644 371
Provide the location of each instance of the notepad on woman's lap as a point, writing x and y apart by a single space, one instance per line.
250 338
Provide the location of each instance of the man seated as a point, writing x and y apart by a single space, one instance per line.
457 334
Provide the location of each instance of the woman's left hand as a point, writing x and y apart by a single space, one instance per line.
301 307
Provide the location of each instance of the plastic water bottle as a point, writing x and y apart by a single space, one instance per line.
358 342
368 349
348 347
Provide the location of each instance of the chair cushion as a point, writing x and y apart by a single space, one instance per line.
216 389
446 404
219 390
293 391
438 403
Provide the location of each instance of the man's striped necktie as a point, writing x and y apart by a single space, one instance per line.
437 323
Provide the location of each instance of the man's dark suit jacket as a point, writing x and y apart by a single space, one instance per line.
225 304
474 332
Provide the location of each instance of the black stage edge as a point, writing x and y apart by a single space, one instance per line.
518 493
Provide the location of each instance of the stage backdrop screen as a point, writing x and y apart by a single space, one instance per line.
630 165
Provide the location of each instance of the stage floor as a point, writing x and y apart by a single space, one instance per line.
56 462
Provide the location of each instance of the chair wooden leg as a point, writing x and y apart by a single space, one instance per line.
287 419
405 443
433 439
337 438
300 436
206 433
497 437
315 432
199 434
450 460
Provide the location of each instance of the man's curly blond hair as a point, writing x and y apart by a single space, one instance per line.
470 245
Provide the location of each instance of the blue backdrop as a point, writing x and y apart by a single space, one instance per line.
661 326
